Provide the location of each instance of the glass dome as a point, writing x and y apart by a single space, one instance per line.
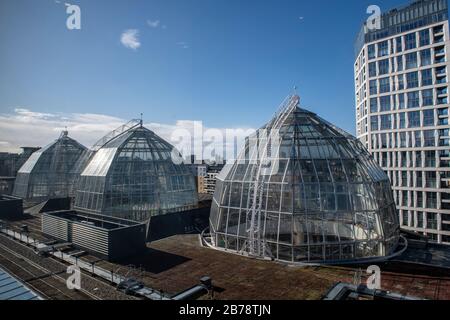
315 196
50 172
132 176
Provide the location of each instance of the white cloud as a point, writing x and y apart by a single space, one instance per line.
130 39
153 24
24 127
183 44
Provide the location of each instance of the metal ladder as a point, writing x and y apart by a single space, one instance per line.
255 246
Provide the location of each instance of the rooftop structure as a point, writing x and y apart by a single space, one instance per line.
50 172
132 176
313 194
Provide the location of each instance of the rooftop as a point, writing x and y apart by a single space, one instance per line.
175 264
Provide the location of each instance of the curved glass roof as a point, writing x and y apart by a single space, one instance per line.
50 172
313 194
133 176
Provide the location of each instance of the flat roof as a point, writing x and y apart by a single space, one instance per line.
177 263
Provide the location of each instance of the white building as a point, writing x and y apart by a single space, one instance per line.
401 92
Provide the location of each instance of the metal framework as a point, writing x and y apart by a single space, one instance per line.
131 175
51 171
315 196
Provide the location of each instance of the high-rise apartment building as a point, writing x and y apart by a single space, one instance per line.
402 101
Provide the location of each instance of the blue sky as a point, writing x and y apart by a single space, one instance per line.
228 63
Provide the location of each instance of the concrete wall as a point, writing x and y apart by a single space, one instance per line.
184 222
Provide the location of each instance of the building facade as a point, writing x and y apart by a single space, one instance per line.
401 93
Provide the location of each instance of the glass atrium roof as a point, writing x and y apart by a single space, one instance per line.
132 176
315 196
50 172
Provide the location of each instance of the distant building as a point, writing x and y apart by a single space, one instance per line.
8 163
210 178
401 93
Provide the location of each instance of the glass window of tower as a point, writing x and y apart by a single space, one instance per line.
373 123
428 118
400 63
424 36
385 103
372 69
425 57
383 49
385 120
412 80
371 51
413 99
427 97
402 121
427 77
401 101
384 85
411 60
373 105
410 41
373 87
428 138
383 66
414 119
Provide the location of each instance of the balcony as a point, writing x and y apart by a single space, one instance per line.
438 38
442 100
439 59
443 112
439 51
441 80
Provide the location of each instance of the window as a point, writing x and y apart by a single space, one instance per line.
385 122
428 138
428 118
414 119
430 159
384 85
424 36
401 121
399 44
417 139
411 60
383 66
373 87
402 139
371 51
413 99
405 218
427 97
427 77
412 80
372 69
430 179
400 63
410 41
431 217
419 214
401 101
383 49
425 57
373 123
373 105
385 103
400 84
